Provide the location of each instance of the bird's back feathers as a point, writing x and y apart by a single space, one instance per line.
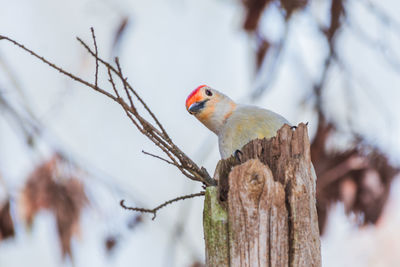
245 124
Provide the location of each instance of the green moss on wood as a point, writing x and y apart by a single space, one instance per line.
215 224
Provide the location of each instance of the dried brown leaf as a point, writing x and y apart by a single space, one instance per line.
292 5
6 222
360 177
262 50
110 243
120 32
135 221
51 188
254 10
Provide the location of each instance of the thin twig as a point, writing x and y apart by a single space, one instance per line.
96 52
124 83
154 211
111 80
158 157
72 76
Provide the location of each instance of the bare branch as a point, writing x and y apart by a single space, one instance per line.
154 211
158 136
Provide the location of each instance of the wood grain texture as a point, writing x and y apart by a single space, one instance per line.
269 197
258 227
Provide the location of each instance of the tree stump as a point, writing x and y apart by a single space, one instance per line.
263 212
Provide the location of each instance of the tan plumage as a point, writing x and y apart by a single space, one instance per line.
245 124
234 124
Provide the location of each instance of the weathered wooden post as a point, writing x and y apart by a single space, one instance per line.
263 211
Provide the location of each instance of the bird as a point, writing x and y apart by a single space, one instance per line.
234 124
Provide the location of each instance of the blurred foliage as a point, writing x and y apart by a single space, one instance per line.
53 187
6 222
359 175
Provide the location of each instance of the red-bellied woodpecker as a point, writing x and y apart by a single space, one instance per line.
234 124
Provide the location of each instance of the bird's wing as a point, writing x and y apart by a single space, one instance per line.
245 124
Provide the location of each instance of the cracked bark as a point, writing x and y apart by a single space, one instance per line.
268 205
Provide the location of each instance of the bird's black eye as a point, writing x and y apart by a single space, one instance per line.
208 92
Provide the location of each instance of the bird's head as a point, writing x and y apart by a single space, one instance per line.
210 107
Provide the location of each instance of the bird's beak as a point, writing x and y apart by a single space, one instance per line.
197 106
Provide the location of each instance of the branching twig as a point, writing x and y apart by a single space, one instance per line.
156 134
154 211
161 139
124 83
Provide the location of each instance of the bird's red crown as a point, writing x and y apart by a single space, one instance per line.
194 97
